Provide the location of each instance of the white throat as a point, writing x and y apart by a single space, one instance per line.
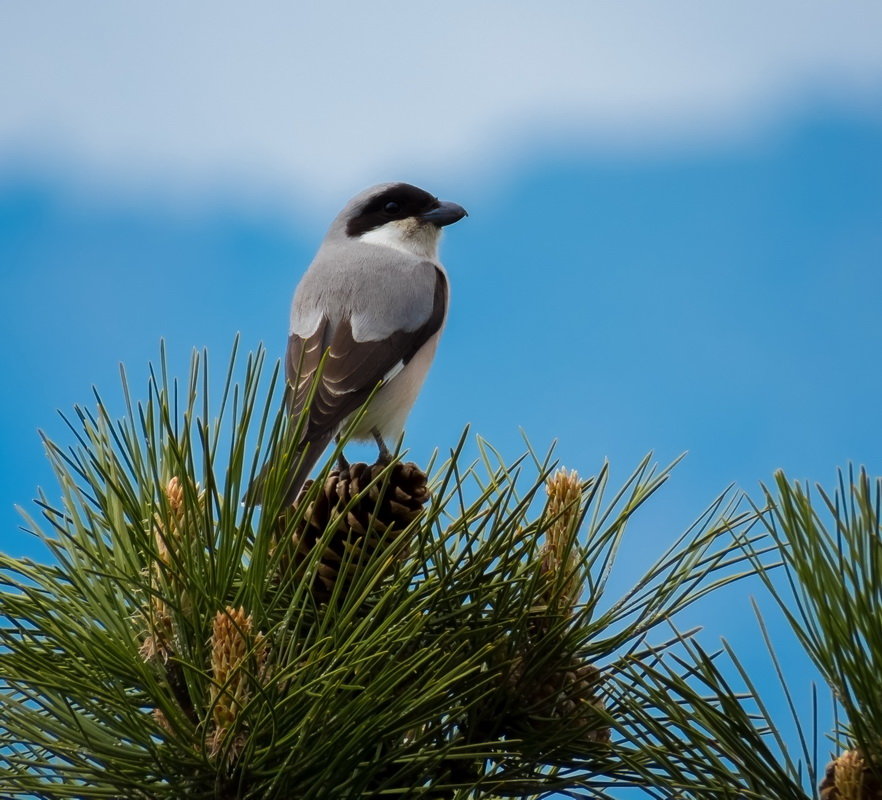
407 235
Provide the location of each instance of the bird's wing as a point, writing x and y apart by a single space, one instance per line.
353 368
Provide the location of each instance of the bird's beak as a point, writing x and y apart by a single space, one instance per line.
444 214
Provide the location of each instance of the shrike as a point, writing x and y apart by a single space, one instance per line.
375 299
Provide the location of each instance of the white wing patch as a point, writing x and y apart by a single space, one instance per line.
305 325
393 372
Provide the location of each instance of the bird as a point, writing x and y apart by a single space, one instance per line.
365 322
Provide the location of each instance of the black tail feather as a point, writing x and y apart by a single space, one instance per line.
302 464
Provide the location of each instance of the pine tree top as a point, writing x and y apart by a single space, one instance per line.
400 631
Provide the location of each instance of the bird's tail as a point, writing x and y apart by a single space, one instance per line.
301 464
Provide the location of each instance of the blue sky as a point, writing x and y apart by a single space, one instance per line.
674 241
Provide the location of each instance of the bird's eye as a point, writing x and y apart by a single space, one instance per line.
392 207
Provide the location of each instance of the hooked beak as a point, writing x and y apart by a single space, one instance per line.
444 214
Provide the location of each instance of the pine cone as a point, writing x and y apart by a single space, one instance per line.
850 778
567 693
371 523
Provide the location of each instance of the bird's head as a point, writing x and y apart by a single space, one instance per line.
400 216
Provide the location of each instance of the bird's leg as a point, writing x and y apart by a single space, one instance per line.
385 456
342 463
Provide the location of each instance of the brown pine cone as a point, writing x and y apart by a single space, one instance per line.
364 524
567 693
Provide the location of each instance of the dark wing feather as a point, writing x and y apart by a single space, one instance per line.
352 369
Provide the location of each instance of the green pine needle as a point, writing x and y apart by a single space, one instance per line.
424 675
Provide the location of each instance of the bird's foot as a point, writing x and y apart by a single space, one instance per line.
385 456
342 463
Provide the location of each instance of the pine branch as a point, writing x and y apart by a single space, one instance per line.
831 549
379 638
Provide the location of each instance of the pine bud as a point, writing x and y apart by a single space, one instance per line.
174 491
849 777
162 720
233 644
558 559
157 644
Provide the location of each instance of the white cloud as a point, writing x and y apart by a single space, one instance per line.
324 97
